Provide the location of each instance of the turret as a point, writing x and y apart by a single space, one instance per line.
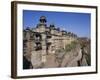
42 21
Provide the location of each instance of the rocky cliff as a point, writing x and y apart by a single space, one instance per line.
75 54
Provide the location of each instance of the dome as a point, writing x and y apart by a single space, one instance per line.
43 19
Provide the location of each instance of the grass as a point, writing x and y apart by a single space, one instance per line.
71 46
68 47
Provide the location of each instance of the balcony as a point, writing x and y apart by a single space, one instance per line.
38 46
49 40
48 34
37 40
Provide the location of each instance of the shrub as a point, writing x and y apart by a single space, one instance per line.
71 46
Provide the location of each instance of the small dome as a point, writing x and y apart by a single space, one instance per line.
27 28
52 25
43 19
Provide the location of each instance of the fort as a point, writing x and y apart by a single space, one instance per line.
44 39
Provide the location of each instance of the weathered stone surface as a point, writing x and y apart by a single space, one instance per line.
66 60
84 62
74 61
51 63
36 59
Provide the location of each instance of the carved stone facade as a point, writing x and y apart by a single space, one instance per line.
44 40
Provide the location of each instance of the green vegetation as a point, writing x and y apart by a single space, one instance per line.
88 59
60 50
68 47
71 46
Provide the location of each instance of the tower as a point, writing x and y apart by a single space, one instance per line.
42 29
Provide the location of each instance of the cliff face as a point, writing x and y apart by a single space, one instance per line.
74 55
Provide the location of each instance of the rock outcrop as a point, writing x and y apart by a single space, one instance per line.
74 55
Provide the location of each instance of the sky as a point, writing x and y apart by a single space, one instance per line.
78 23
